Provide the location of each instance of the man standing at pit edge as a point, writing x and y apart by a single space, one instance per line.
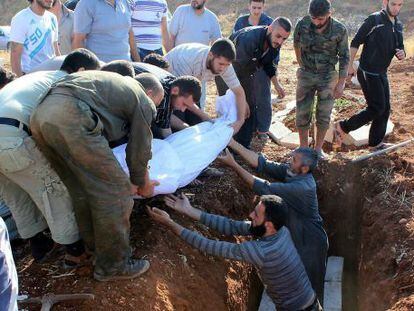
382 37
320 41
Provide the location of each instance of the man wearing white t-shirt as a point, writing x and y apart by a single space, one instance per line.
33 36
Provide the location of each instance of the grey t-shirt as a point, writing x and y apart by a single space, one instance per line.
188 27
107 28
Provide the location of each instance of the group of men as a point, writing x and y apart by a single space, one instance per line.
57 127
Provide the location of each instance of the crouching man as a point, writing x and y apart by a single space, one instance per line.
74 126
297 187
272 251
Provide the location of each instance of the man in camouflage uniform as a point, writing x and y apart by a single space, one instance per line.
320 41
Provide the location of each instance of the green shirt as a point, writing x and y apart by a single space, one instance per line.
320 52
124 110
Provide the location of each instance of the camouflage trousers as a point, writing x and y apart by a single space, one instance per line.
70 135
310 84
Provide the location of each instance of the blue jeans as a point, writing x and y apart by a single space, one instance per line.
144 52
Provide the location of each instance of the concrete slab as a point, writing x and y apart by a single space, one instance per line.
291 141
332 298
360 136
274 99
266 304
281 115
334 269
278 130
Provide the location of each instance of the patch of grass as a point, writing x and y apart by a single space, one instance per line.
342 103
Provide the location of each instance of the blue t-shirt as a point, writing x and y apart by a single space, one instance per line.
107 28
243 22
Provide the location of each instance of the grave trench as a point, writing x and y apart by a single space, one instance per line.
341 195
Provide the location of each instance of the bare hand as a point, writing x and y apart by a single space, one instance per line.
400 54
237 125
247 112
227 158
147 190
159 216
180 204
339 90
351 71
280 91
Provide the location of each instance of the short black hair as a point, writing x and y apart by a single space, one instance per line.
150 82
224 48
188 85
319 8
6 76
80 58
122 67
284 22
276 210
262 1
156 60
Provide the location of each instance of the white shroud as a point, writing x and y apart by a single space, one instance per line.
180 158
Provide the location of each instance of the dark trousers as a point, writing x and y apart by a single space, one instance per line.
376 90
144 52
245 135
263 101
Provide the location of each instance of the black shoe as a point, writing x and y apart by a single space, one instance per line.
134 268
42 247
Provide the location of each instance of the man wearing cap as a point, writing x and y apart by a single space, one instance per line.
297 187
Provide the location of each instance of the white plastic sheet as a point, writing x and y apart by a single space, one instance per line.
180 158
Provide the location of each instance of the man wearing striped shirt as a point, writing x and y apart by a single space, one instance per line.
272 252
149 23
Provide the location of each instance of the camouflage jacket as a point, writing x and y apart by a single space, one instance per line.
320 52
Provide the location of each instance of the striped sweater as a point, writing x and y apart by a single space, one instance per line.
275 257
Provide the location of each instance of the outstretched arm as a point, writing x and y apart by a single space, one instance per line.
223 225
247 251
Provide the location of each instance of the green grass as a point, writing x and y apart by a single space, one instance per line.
342 103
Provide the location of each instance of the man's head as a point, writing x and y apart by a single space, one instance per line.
156 60
278 32
185 92
122 67
393 7
256 7
304 160
320 11
198 4
222 54
79 60
269 216
44 4
6 77
152 87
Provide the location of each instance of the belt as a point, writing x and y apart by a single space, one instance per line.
16 123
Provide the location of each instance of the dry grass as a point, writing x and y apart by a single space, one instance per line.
409 46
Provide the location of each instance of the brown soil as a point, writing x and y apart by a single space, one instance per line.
368 211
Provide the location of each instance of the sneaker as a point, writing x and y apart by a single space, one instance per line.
262 136
73 262
380 146
322 156
134 268
211 172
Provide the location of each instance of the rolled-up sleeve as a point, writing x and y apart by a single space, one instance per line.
138 150
230 78
83 17
273 169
